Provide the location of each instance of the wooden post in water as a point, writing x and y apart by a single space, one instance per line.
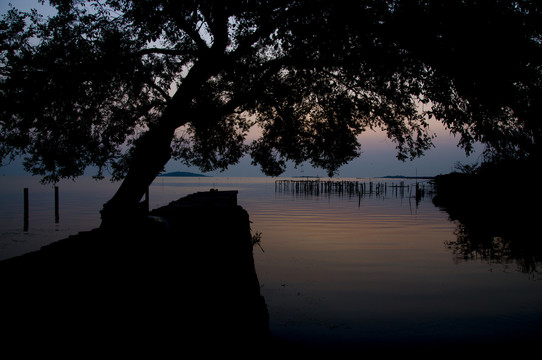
57 212
25 222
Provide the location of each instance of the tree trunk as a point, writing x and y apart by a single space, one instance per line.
151 153
153 150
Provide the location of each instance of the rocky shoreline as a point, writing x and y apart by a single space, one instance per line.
180 279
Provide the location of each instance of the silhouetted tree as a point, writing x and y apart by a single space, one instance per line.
127 85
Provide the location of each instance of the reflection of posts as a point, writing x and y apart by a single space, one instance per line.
25 221
57 213
147 200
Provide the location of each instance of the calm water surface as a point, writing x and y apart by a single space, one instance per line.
335 270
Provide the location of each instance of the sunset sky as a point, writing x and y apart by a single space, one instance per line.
378 158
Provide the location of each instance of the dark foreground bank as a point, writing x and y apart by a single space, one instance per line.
180 280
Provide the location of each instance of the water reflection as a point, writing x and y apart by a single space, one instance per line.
495 235
352 268
507 240
495 224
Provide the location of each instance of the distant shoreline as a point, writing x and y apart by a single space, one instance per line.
371 177
182 174
406 177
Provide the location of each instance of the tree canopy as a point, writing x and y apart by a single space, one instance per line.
127 85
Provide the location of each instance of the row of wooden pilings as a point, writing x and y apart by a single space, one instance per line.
349 187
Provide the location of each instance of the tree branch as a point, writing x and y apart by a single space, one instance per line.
217 18
177 14
161 91
162 51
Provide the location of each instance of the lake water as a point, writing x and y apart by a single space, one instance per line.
335 270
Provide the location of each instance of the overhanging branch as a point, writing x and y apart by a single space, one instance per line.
162 51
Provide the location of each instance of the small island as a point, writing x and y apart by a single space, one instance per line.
182 174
